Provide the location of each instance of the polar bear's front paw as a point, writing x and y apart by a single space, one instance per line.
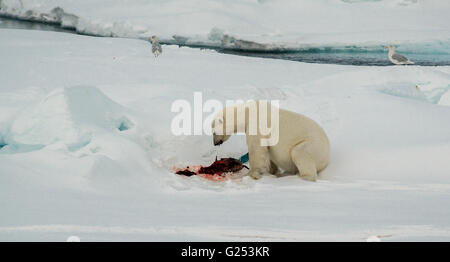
254 174
309 177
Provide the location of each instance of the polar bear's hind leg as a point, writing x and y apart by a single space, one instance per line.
304 162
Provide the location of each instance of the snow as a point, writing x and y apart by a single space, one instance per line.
445 99
267 24
67 116
373 239
87 148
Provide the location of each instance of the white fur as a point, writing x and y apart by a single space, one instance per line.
302 147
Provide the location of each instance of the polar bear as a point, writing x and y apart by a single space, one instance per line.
301 144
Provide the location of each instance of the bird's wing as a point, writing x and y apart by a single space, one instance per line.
156 47
399 58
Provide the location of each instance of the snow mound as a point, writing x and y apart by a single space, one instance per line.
70 116
431 95
414 83
445 99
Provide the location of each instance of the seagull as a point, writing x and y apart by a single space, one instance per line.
156 47
397 58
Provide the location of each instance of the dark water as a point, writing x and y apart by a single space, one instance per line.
20 24
424 54
350 58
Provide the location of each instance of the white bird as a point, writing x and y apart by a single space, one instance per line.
156 47
397 58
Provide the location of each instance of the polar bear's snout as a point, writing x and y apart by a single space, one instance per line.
219 139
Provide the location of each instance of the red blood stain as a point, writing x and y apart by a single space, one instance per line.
217 170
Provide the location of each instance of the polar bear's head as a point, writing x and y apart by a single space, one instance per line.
229 121
255 118
219 129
